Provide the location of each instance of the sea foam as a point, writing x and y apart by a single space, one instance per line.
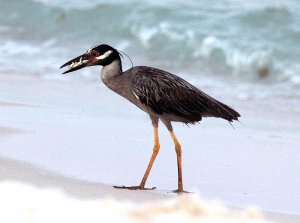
245 40
25 203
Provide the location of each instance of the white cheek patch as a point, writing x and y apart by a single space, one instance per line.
105 55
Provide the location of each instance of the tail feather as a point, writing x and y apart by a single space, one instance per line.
220 110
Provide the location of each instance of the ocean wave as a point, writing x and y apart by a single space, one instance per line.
243 39
240 62
268 16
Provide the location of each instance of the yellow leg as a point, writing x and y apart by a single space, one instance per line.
154 154
179 161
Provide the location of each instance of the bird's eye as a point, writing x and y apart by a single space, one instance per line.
94 53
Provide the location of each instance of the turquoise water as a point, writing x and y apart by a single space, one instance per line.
254 40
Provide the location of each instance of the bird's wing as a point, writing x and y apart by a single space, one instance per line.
166 93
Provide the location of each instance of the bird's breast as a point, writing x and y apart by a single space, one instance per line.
123 87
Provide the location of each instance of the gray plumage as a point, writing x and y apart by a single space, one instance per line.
166 93
164 96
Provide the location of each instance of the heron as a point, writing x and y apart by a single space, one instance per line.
164 96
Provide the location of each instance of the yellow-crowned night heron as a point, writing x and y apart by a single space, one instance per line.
164 96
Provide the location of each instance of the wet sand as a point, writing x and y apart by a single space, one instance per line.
81 139
47 185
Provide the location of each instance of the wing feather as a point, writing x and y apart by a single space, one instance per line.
166 93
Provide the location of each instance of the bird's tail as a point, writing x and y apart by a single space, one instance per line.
221 110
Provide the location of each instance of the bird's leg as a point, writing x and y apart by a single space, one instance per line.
179 161
154 154
178 153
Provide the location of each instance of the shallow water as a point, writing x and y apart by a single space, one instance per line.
251 41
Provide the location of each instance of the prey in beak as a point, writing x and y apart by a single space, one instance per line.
77 63
98 55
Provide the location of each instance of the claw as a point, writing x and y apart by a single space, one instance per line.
134 188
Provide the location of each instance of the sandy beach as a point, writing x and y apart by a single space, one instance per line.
73 137
47 192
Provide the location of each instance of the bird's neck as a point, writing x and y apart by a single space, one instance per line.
111 71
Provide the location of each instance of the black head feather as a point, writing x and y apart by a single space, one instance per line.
104 49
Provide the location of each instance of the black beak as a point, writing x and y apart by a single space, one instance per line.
77 63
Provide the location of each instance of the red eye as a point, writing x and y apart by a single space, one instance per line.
94 53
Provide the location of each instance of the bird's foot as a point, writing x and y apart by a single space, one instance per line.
134 188
181 191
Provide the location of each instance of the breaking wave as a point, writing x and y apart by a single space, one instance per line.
250 40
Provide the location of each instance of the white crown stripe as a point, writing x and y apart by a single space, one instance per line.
103 56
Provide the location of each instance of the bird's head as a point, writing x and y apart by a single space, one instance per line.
98 55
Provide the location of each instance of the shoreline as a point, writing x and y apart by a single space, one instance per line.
17 171
25 174
83 130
